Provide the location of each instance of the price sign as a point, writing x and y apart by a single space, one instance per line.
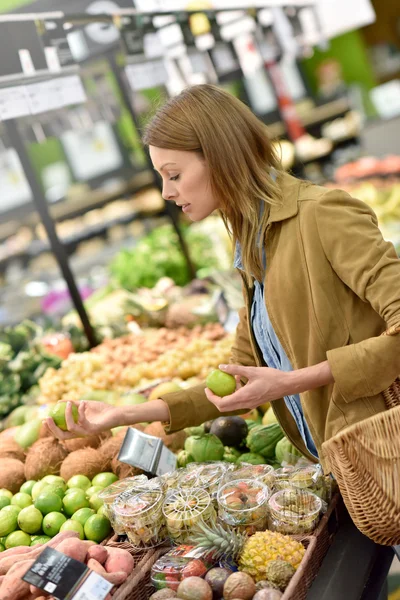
142 76
71 90
13 103
43 96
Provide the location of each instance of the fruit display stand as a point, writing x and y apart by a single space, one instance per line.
138 586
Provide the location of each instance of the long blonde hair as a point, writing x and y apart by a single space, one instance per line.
239 155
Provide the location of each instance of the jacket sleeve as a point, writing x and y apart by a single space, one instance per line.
370 267
191 407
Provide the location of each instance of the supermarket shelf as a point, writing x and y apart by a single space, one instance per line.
316 115
72 207
39 247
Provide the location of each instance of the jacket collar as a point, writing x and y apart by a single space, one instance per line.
290 195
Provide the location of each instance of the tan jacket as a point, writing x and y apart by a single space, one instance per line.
332 286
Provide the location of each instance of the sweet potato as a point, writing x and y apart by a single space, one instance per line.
114 578
119 560
8 561
74 548
99 553
13 588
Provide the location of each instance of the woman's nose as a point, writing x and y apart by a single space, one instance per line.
168 192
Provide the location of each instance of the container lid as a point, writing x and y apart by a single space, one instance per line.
247 471
203 475
242 495
137 504
294 503
183 504
115 489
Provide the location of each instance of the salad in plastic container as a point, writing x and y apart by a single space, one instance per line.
140 516
264 473
243 505
183 509
294 511
113 491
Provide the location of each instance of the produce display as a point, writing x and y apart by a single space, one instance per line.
158 255
43 508
116 365
184 510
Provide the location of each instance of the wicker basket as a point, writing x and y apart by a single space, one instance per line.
365 460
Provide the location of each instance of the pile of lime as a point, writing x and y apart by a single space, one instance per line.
41 509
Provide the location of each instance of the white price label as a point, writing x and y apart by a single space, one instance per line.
43 96
71 90
142 76
13 103
93 588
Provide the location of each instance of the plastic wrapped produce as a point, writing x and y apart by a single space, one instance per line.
184 509
207 476
140 516
112 492
313 479
179 563
264 473
293 511
243 505
282 476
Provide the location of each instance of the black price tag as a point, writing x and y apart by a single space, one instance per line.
66 578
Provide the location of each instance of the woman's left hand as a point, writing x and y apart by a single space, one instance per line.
263 385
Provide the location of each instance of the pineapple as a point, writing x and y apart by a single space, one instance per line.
264 546
222 543
252 553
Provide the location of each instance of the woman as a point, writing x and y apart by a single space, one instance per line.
320 284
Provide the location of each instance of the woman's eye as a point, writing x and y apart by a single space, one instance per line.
175 178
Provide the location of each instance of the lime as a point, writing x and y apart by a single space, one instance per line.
104 479
79 481
93 490
40 539
55 480
95 502
71 525
30 519
48 502
57 413
97 528
8 521
38 488
220 383
70 490
3 540
103 511
18 538
4 492
54 488
52 523
74 501
14 510
4 501
22 500
26 488
2 547
82 515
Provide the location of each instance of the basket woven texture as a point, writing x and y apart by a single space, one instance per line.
365 460
138 585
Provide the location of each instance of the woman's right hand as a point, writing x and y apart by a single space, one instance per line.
94 418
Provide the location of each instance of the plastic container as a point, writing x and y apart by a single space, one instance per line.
293 511
243 505
207 475
113 491
281 477
313 479
179 563
183 509
263 473
140 516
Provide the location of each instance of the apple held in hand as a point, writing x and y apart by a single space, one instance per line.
220 383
